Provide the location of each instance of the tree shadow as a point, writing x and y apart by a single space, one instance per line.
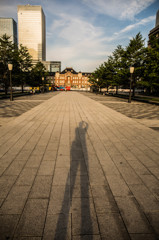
78 201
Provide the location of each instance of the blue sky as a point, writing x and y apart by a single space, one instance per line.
83 33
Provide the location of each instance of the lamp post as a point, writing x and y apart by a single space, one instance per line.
97 84
10 67
131 72
43 83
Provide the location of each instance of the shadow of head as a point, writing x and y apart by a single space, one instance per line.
83 125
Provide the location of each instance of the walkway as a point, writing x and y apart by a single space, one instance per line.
72 168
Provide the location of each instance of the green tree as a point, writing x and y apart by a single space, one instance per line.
135 56
109 72
93 81
7 49
118 67
150 78
25 65
38 72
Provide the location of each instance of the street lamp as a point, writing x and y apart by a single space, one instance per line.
43 83
131 72
97 84
10 67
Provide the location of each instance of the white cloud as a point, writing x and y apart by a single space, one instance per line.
123 32
123 9
79 42
74 28
80 59
135 25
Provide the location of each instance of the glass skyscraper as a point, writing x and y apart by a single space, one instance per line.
9 27
31 30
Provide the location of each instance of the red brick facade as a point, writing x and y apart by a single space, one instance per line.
69 77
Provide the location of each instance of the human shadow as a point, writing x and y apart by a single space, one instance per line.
78 202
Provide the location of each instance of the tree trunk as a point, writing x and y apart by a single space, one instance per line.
22 87
149 90
116 89
6 89
133 91
5 80
107 88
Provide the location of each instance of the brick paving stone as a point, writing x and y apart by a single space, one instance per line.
84 221
34 161
1 201
6 182
41 187
96 176
146 200
14 168
58 226
52 146
27 176
33 218
87 237
27 238
134 218
6 160
118 186
79 180
50 155
64 150
59 200
60 191
78 169
103 205
152 184
46 168
128 174
57 206
143 237
7 226
82 190
153 218
23 155
154 171
63 161
61 176
15 200
85 224
139 168
110 168
112 227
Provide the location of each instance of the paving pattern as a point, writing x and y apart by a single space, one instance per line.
144 113
9 110
73 168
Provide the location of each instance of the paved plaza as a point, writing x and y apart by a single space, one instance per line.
78 166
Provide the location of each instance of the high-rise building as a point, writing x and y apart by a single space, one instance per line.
9 27
31 31
52 66
154 33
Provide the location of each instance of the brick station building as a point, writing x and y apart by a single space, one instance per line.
69 77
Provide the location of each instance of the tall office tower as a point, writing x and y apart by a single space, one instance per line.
31 31
52 66
9 27
154 33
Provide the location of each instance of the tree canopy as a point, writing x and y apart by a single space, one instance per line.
24 72
115 71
